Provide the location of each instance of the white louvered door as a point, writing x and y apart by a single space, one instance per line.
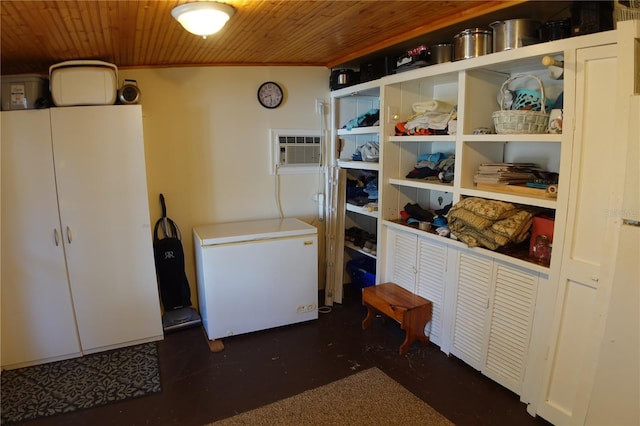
401 259
475 274
512 308
420 265
430 283
494 306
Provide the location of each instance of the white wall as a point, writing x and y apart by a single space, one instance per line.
207 145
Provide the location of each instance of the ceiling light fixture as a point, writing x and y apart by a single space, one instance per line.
203 18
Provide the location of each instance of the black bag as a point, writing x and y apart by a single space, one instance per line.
169 259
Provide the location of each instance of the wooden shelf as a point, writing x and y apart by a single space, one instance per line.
353 247
358 165
422 184
370 130
511 197
431 138
361 210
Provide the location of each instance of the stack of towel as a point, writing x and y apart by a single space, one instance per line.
488 223
431 117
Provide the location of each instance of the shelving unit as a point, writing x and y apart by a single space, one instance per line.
347 105
473 86
514 296
471 286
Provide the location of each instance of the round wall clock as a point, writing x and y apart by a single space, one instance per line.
270 95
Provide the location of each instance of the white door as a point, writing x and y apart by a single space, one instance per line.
512 307
571 358
473 286
616 390
401 259
102 192
37 315
430 283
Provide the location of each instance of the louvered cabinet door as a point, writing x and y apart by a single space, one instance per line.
512 308
475 274
431 280
401 259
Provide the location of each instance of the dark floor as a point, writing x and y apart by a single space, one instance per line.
199 386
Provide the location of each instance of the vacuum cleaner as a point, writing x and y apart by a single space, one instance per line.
172 280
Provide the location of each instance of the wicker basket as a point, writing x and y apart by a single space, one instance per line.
521 121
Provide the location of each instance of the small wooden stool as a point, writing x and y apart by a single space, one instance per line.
410 310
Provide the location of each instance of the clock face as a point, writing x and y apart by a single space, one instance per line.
270 95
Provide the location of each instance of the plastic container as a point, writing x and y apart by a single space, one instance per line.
23 91
541 226
83 82
362 272
542 250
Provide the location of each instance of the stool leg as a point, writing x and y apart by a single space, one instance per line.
413 324
368 319
404 347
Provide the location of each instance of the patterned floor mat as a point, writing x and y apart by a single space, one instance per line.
79 383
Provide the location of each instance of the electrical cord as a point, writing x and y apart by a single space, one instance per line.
277 195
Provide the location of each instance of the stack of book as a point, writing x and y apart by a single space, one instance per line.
505 173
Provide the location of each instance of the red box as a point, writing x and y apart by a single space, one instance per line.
541 226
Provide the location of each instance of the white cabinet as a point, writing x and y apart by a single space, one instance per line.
89 248
419 264
483 308
579 310
37 313
493 317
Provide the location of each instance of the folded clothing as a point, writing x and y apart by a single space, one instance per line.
366 119
432 105
437 165
489 223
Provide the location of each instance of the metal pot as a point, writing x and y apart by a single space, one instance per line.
514 33
342 78
441 53
471 43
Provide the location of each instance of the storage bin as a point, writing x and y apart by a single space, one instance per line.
22 91
362 272
83 82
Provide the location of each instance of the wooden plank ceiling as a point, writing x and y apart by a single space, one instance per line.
131 33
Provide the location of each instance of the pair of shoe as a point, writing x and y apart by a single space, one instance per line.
358 236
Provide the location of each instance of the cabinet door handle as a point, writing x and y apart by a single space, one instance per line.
69 236
56 237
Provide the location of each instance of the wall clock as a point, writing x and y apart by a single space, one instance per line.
270 95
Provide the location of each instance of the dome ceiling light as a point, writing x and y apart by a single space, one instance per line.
203 18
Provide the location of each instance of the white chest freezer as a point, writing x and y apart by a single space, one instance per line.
256 275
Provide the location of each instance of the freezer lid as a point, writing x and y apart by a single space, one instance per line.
233 232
